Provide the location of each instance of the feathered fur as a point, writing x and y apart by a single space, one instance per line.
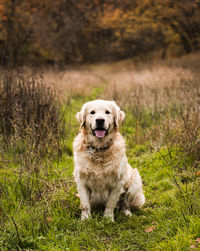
102 172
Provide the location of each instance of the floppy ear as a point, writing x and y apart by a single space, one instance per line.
81 116
118 115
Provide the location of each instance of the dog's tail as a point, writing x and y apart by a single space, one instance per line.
136 198
137 201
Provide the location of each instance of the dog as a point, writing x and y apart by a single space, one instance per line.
102 173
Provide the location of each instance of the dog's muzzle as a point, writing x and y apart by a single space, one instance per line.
99 132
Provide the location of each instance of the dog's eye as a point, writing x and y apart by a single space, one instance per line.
92 112
107 112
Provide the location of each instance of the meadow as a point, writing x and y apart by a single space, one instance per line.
39 206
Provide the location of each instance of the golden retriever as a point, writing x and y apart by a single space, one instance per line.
102 172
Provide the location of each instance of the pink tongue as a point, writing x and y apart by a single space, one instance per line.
100 133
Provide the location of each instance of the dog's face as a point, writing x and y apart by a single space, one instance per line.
100 118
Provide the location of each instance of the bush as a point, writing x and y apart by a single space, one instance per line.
30 118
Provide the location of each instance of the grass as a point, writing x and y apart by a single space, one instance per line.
51 221
39 209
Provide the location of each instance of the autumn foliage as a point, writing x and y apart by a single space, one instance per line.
65 31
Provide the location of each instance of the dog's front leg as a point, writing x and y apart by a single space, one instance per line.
84 198
112 201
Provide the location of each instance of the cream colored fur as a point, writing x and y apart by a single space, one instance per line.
102 172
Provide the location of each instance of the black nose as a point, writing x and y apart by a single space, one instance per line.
100 122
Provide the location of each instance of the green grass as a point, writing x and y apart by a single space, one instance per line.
39 209
52 221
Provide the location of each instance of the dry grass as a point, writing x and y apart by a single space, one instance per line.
159 88
161 100
30 116
126 78
160 96
38 206
72 82
162 90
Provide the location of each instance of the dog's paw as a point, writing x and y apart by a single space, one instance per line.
109 215
85 215
127 212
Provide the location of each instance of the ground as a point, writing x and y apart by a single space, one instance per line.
40 209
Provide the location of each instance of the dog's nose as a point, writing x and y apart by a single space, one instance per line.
100 122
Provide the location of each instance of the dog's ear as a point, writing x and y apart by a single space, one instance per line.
118 115
81 116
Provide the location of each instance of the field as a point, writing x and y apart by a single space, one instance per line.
39 207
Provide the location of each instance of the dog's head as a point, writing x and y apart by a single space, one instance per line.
100 118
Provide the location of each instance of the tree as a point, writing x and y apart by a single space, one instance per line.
76 31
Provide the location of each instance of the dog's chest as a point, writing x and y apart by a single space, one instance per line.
100 187
102 170
102 159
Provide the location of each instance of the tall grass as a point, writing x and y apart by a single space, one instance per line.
30 116
37 127
162 103
32 128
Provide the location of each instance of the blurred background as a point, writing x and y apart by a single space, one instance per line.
60 32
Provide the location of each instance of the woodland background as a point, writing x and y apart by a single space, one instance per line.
83 31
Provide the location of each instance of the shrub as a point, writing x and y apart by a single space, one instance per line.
30 118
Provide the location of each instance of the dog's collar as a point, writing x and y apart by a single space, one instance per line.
92 148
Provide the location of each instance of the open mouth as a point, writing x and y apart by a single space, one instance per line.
100 133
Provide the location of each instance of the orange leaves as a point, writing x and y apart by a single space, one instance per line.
3 17
196 245
197 240
150 229
49 219
112 18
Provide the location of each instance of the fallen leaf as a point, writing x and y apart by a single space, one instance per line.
198 173
49 219
150 229
198 240
193 246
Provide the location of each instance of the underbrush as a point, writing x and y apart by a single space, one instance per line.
174 127
39 208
